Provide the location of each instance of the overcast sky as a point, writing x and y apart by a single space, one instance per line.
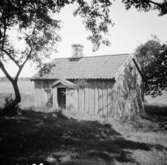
131 29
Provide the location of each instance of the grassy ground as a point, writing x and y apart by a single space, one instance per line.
34 137
160 100
53 139
157 109
26 89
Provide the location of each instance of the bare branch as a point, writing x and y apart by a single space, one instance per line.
28 55
139 70
12 58
155 3
22 65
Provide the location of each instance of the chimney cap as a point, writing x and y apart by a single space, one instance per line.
77 50
77 45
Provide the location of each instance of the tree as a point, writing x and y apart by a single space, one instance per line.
152 57
37 26
33 21
147 5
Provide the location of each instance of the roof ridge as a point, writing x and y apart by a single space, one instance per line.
121 54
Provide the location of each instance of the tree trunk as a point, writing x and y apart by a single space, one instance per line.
17 99
11 106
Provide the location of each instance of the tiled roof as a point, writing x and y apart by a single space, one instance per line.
92 67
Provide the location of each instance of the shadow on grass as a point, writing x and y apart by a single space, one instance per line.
32 136
160 110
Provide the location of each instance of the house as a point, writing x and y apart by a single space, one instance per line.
103 86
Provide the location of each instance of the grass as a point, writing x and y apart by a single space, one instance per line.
34 137
37 137
26 89
160 100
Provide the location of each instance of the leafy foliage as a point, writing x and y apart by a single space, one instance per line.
46 68
147 5
96 19
152 57
33 20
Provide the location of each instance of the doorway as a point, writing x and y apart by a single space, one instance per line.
61 97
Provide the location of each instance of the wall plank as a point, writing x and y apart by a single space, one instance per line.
87 100
41 100
69 102
96 101
81 100
100 101
84 109
78 98
91 101
105 102
110 101
55 105
75 100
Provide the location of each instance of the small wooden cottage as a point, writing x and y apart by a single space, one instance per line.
86 85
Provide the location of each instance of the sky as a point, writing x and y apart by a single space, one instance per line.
131 29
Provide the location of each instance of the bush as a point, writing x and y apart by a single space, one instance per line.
8 109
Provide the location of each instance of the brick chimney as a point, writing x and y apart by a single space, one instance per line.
77 51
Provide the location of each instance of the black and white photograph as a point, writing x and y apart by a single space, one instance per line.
83 82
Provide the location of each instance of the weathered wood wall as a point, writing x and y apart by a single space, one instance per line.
92 100
106 99
119 98
127 94
44 95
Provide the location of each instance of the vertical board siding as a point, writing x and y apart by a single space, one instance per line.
41 100
96 101
100 101
78 101
55 105
75 100
107 102
91 101
86 100
43 84
72 100
104 101
81 100
37 99
69 105
78 98
110 101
